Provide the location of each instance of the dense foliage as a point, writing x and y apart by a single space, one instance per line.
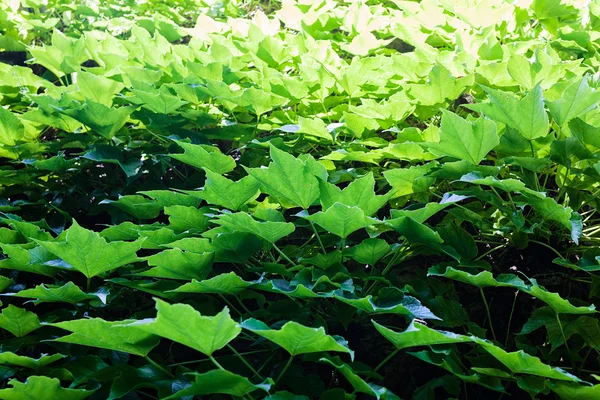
306 199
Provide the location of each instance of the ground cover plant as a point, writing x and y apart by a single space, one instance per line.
299 199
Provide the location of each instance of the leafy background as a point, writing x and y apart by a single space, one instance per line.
299 199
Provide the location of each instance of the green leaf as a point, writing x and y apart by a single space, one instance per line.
314 127
465 140
243 222
290 178
89 253
28 362
18 321
486 279
340 219
359 193
405 181
298 339
187 219
238 192
577 99
549 209
41 387
68 293
160 101
106 121
179 264
181 323
519 362
527 115
204 156
358 383
389 301
369 251
440 86
222 382
11 128
419 233
139 206
117 335
572 391
229 283
98 88
417 334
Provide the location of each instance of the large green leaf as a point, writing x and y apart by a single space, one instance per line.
203 156
577 99
229 283
527 115
290 179
417 334
359 193
465 140
89 253
179 264
18 321
238 192
68 293
106 121
181 323
243 222
41 387
28 362
358 383
340 219
369 251
486 279
222 382
11 128
117 335
298 339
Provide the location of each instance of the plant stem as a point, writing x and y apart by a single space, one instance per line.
562 332
216 363
160 367
283 255
548 246
489 316
284 370
243 360
510 320
88 283
318 237
388 358
490 251
234 308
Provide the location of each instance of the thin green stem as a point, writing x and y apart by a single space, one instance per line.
243 360
160 367
490 251
285 257
211 358
510 320
88 284
387 269
388 358
234 308
549 247
562 332
314 228
489 315
584 359
243 306
532 149
284 370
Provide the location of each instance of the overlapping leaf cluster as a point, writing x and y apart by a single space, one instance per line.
299 199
